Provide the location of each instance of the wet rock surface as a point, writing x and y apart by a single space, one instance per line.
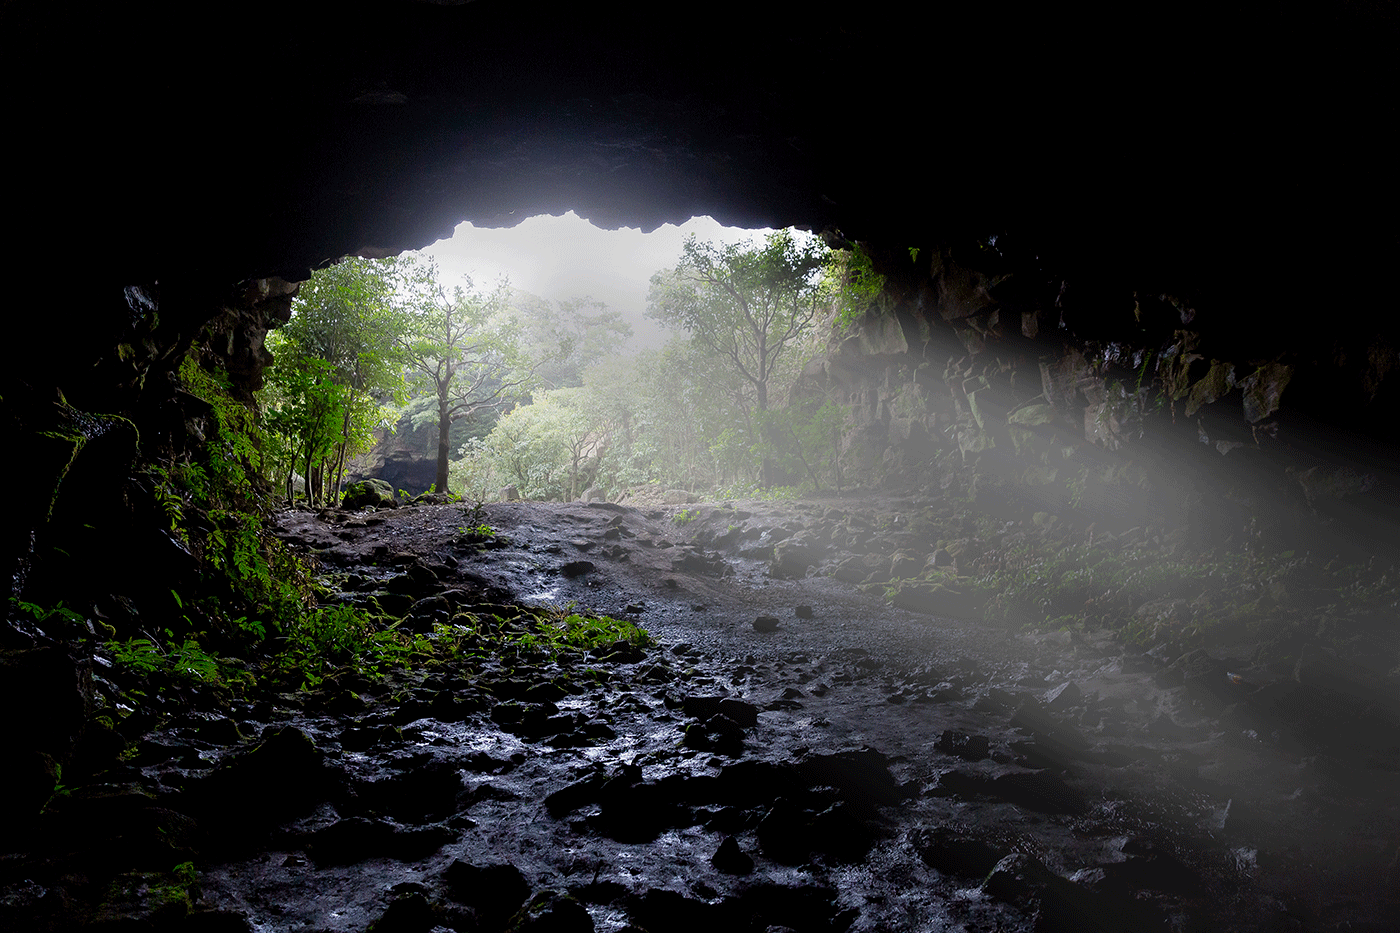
848 766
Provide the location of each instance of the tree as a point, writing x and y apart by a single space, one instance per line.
463 355
746 304
335 364
549 448
567 336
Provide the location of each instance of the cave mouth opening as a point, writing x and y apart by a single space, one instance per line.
563 256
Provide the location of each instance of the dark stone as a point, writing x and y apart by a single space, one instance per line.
717 733
355 839
410 913
424 791
1033 790
792 557
765 624
54 691
1062 697
494 892
785 833
418 581
964 746
577 568
285 775
731 859
803 612
1055 741
841 834
703 707
862 778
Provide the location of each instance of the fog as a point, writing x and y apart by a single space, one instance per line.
566 256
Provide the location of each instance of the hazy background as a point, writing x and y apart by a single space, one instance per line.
564 257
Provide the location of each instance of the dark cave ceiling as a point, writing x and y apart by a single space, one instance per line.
1195 148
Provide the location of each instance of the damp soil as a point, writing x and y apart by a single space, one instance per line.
791 753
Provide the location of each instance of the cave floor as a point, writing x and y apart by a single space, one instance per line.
1188 798
841 765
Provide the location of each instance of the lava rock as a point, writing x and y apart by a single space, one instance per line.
765 624
963 745
862 778
1062 697
731 859
785 833
410 913
355 839
494 892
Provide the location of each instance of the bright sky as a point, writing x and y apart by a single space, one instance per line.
565 257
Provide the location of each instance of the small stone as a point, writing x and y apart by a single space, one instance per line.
803 612
765 624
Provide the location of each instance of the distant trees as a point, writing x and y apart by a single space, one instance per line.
548 449
748 305
567 336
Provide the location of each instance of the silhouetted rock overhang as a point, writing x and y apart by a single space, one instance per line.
1229 154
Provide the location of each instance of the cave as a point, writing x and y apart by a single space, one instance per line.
177 172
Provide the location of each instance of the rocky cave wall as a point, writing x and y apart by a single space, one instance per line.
984 373
171 177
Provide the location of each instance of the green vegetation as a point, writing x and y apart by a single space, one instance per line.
335 364
748 308
721 406
584 633
463 354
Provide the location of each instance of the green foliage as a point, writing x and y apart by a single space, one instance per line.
46 618
215 505
582 633
804 439
180 660
547 448
685 516
464 354
854 285
336 363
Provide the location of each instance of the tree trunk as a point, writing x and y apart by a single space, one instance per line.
444 430
765 436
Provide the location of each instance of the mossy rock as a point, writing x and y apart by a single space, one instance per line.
369 493
143 899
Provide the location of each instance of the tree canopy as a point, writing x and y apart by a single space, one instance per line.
463 354
747 304
337 364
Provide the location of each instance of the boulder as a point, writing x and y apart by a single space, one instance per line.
792 557
369 493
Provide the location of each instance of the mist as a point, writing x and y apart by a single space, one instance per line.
562 257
